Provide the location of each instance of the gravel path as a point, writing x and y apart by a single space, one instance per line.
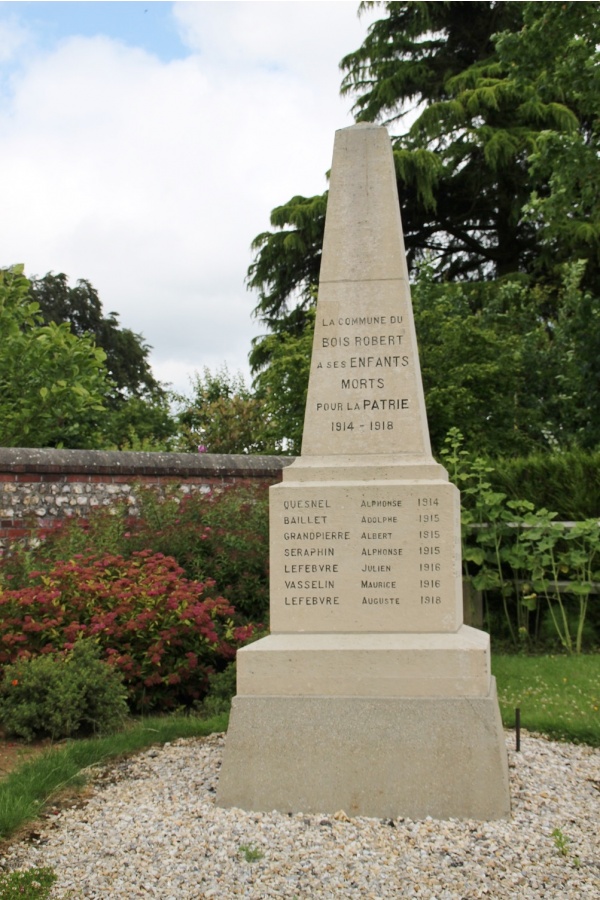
151 829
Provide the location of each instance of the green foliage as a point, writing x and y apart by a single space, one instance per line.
576 349
163 632
462 178
516 362
251 854
223 416
58 386
30 884
505 125
102 532
52 384
512 364
221 691
138 414
567 481
486 362
283 382
462 167
497 175
536 566
81 308
60 695
557 695
561 841
498 182
515 557
288 260
565 163
140 423
221 537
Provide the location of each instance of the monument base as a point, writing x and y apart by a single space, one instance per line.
381 757
367 665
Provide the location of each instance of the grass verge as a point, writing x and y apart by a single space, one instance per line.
24 792
33 884
557 695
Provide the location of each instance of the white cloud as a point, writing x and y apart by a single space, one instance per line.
14 38
150 179
303 39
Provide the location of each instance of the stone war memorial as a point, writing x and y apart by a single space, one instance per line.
370 695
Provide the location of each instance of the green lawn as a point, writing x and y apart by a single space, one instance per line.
24 791
557 695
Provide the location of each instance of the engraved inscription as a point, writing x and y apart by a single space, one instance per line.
376 558
370 354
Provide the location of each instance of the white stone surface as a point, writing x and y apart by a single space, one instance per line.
365 557
367 665
370 756
365 394
370 694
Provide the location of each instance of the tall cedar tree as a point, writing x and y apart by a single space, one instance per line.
473 176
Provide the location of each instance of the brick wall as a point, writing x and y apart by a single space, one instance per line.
38 487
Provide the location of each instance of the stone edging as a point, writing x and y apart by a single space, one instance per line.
20 460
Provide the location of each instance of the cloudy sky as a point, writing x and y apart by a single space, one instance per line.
144 144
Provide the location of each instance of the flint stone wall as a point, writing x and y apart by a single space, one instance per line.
39 487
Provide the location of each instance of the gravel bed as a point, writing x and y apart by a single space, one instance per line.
151 829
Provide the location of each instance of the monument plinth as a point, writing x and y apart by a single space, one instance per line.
370 694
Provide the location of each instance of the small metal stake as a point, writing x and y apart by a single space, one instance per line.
518 727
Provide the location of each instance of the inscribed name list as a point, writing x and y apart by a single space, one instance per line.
365 558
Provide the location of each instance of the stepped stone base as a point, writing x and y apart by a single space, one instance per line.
367 665
383 757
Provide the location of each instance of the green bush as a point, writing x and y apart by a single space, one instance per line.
220 536
165 633
221 691
567 482
538 575
60 695
102 532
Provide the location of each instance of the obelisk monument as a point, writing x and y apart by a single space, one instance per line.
370 695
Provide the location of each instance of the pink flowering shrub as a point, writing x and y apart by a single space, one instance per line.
221 537
163 632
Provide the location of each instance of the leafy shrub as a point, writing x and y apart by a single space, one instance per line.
541 573
102 532
221 536
62 694
567 482
161 630
221 691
